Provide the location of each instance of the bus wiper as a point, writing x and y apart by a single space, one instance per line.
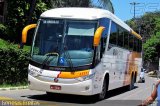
46 62
69 61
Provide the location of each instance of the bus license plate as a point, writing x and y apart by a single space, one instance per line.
55 87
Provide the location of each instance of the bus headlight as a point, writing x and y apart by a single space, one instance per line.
86 77
32 73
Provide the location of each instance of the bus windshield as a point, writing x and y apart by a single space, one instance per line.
61 42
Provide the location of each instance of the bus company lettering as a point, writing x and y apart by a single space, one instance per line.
83 73
36 70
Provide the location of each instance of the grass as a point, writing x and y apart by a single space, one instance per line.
10 85
4 44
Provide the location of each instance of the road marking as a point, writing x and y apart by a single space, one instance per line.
5 98
42 103
45 103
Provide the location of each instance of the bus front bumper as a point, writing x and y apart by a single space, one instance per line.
80 88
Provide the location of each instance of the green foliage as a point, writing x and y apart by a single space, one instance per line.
3 43
157 24
69 3
23 12
149 24
14 63
6 85
132 24
3 29
151 48
106 4
151 34
4 32
17 17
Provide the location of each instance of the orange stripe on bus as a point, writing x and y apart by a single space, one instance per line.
76 74
126 76
132 67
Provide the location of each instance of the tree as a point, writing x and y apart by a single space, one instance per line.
21 13
149 25
69 3
24 12
152 51
151 48
31 10
106 4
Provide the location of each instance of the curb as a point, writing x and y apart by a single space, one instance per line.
14 88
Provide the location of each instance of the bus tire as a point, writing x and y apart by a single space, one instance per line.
135 78
131 86
104 91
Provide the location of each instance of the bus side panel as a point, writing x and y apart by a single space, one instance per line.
134 65
130 70
100 73
115 60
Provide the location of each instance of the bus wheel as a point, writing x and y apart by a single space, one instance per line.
135 77
131 86
103 93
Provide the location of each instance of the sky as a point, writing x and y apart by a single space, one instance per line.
125 11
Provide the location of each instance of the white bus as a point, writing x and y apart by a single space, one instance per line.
82 51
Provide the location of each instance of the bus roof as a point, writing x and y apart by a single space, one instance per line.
85 14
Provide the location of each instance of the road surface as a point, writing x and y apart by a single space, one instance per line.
118 97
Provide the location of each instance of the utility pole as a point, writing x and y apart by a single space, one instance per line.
134 4
134 18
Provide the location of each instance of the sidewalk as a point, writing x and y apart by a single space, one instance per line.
13 88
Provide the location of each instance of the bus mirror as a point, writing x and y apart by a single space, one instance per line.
97 35
24 34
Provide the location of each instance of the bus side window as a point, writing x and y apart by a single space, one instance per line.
126 40
131 42
135 43
105 23
139 45
113 35
103 46
120 36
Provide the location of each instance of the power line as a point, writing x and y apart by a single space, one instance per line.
134 4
